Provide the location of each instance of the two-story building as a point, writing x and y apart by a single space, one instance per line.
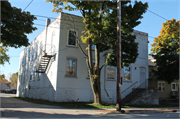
53 68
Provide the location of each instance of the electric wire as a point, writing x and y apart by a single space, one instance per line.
28 5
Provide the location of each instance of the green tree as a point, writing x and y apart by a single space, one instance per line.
15 24
3 55
166 51
14 78
100 18
2 80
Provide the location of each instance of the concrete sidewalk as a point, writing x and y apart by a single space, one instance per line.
12 107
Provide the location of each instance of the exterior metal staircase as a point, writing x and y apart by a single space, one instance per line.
44 58
44 63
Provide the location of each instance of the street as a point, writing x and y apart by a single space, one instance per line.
15 108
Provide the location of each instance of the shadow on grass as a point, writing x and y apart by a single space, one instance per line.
68 104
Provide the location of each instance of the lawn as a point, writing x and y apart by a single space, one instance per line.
68 104
92 105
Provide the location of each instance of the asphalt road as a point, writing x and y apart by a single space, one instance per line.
15 108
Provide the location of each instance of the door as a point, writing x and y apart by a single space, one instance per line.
142 77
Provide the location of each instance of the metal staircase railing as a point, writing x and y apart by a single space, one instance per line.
135 92
44 58
129 89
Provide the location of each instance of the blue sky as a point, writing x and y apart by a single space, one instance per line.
150 24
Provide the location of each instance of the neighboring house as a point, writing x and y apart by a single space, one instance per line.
166 91
60 74
5 85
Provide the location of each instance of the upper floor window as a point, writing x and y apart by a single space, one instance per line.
127 73
71 69
72 38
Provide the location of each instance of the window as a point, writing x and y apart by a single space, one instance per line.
127 75
30 76
173 86
71 67
72 38
110 72
161 85
35 76
39 76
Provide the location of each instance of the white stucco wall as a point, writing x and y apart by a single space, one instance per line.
45 86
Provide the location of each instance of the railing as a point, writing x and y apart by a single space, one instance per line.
128 90
50 50
143 85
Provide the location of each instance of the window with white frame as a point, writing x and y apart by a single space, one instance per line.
173 86
72 38
161 85
71 67
110 72
127 73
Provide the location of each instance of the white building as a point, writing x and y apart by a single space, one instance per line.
66 76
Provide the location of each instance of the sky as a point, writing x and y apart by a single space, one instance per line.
151 23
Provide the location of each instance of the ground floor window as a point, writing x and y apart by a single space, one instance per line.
161 85
71 67
127 73
173 86
110 72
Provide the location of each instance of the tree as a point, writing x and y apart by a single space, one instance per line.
100 18
166 51
15 24
14 78
2 80
3 55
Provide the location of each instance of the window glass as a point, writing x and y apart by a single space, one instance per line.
71 67
173 85
110 72
72 38
161 86
126 73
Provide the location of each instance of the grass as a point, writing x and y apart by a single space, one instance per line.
92 105
67 104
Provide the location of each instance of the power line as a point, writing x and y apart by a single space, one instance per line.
158 15
154 13
28 5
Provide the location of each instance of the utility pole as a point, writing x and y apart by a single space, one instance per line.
118 96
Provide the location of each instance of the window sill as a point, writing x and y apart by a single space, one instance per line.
67 76
110 80
129 81
74 46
